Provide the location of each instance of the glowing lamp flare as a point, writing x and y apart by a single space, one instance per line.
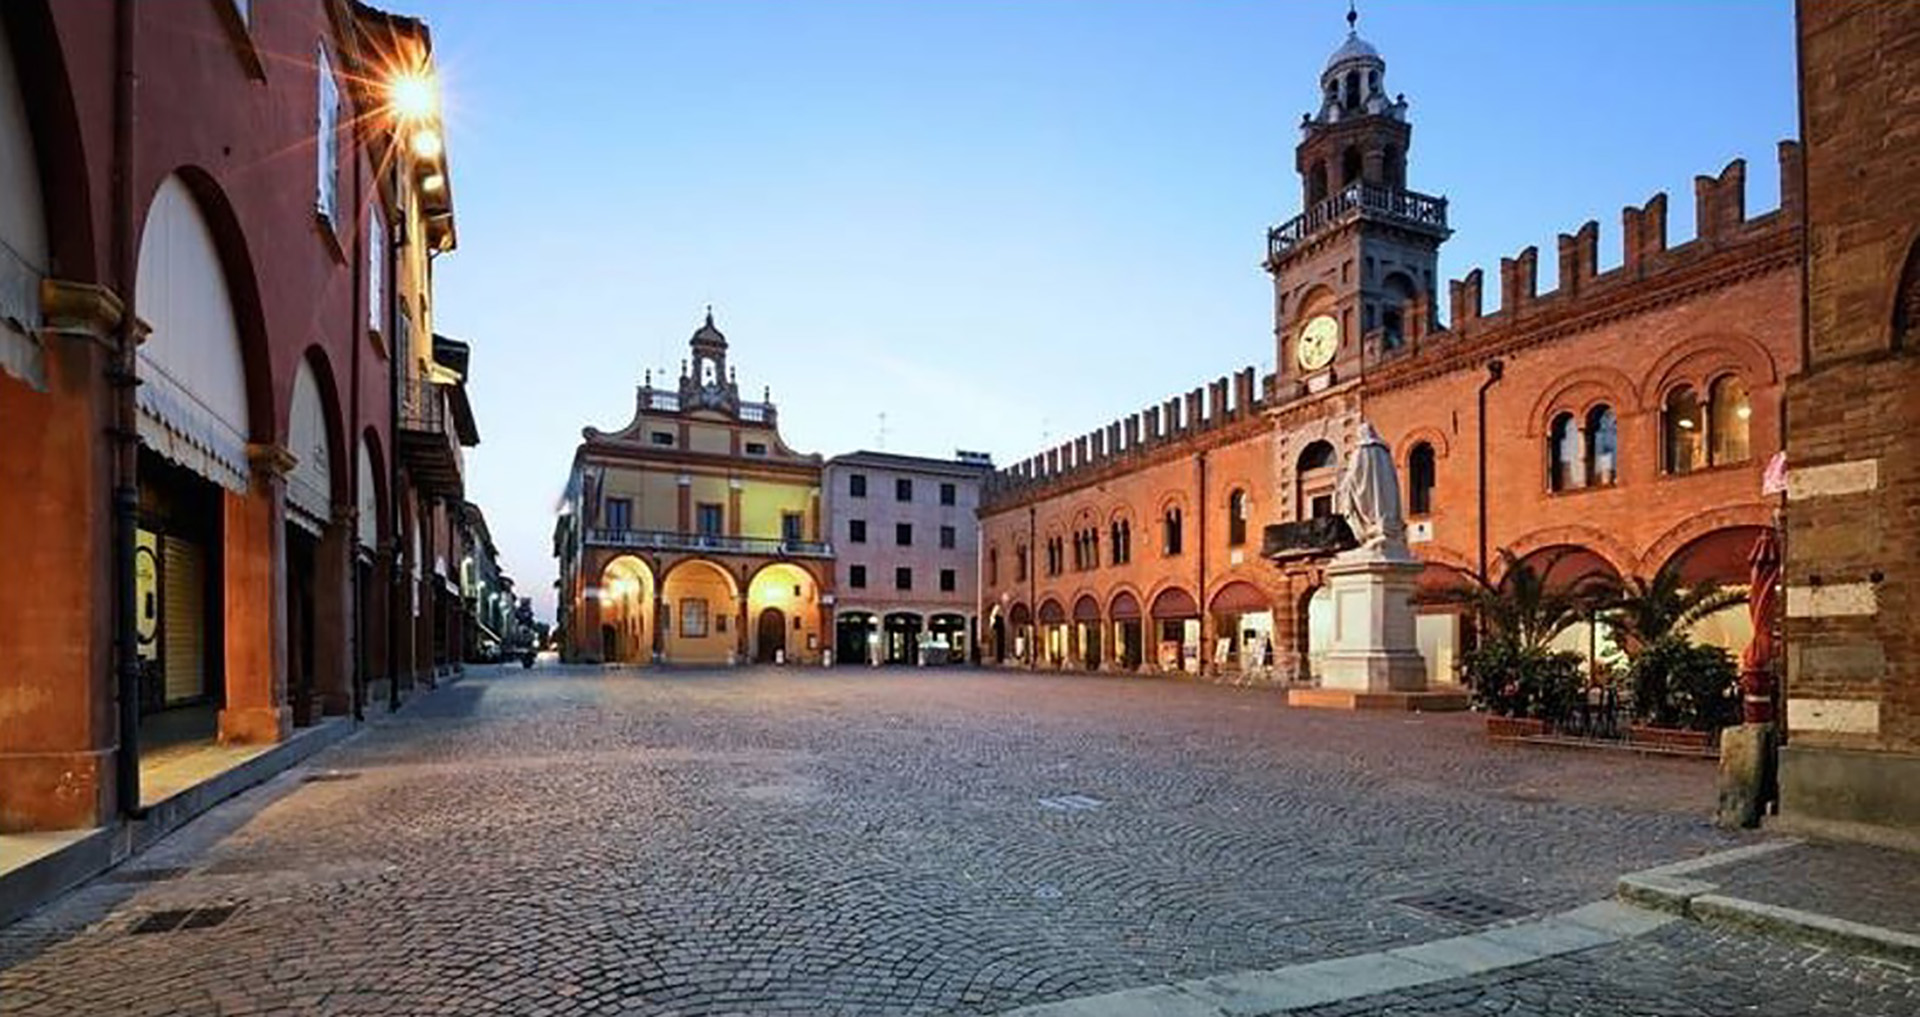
427 144
413 96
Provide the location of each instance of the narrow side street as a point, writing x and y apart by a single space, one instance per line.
575 840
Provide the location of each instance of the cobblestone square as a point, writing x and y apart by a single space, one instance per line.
607 841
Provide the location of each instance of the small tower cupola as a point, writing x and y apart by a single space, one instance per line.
1354 83
705 380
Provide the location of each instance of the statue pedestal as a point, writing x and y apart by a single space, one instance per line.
1374 648
1375 661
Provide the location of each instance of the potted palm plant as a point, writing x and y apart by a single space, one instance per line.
1523 685
1683 693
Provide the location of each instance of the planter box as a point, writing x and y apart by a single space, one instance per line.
1515 727
1671 738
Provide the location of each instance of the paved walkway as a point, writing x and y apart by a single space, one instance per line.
599 841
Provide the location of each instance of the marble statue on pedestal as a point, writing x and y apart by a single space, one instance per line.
1374 644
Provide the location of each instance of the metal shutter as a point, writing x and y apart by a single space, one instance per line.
183 580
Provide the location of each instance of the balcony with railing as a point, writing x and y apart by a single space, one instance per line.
666 540
429 441
1410 209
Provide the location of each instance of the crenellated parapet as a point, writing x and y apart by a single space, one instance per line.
1727 243
1126 443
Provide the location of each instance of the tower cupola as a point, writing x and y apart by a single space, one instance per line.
1354 83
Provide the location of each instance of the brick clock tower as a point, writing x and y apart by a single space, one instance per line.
1348 269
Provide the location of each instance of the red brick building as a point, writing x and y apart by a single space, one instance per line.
1852 759
206 270
1615 424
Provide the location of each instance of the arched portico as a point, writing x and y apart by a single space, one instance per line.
1129 644
1176 619
698 615
1020 618
626 601
1086 633
213 479
1243 616
783 604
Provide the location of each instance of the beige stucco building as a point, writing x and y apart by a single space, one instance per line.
693 534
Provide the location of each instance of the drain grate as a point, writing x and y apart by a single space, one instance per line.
326 776
1464 907
208 917
146 875
1071 803
181 919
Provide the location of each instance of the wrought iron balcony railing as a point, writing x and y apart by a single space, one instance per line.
664 540
429 442
1406 208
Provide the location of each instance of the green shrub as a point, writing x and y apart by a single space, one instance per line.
1509 679
1677 683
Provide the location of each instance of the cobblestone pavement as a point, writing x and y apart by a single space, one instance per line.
1874 885
1684 970
600 841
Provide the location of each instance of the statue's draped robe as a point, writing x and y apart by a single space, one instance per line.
1369 493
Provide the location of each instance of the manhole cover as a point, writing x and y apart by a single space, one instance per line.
325 776
145 875
180 919
1071 803
1464 907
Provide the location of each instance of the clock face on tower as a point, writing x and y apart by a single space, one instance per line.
1319 340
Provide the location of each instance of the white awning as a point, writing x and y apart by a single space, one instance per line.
20 353
183 430
310 484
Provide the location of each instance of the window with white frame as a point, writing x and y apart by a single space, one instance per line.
376 268
327 143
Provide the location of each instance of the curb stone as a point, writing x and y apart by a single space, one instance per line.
1669 889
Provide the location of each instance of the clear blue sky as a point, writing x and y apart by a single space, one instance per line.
999 222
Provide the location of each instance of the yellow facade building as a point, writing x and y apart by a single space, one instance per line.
693 535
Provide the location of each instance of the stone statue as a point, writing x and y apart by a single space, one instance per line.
1369 495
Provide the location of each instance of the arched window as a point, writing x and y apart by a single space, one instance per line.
1420 473
1170 536
1236 518
1349 166
1683 423
1353 89
1563 455
993 566
1396 167
1399 290
1603 444
1314 481
1316 184
1731 411
1020 564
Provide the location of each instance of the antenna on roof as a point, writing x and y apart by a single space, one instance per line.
881 438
